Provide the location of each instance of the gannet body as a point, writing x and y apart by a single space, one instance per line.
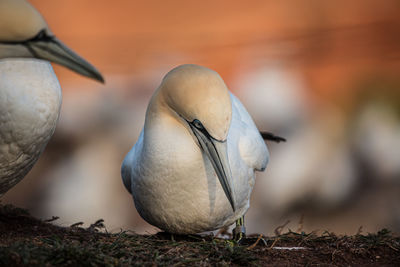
30 101
196 132
30 95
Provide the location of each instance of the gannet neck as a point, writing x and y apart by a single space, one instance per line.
20 21
197 93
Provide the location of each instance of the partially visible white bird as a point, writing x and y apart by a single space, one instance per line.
196 132
30 95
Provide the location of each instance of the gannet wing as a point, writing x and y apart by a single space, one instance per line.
244 133
130 162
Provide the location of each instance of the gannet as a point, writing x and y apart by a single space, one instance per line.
30 94
193 167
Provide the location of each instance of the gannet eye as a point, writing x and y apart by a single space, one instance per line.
41 34
198 124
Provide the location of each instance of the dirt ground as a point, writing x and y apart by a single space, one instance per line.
26 241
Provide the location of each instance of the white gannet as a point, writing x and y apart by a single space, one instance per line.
196 132
30 95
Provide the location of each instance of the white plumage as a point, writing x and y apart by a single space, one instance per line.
169 173
30 101
30 95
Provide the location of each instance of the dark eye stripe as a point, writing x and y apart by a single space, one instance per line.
41 36
199 126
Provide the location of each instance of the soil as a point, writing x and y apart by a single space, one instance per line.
26 241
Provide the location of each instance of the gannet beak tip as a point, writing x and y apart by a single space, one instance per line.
98 77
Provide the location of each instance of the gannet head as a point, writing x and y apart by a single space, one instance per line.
24 33
201 99
198 93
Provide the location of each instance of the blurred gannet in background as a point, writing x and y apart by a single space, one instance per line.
195 132
30 95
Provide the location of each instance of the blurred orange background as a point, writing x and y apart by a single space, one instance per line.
324 74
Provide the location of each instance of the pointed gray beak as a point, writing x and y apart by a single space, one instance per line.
52 49
218 155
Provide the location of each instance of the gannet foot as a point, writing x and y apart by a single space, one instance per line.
239 232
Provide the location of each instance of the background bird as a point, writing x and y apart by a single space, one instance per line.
196 132
30 95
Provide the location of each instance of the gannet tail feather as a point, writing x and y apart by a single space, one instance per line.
271 137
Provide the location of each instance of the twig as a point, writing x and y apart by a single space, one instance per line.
76 224
223 231
279 229
300 228
255 244
273 243
97 225
359 230
392 247
52 219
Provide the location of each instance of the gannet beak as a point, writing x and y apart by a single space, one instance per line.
51 49
218 155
